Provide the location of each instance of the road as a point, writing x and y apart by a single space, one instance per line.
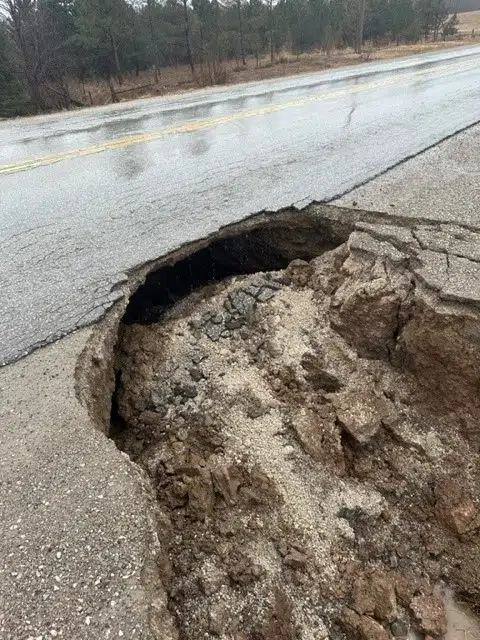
87 196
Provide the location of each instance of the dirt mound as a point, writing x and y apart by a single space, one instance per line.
310 436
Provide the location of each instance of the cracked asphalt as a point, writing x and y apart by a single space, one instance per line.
87 196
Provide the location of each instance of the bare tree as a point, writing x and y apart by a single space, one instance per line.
38 53
360 26
187 37
271 29
156 65
240 30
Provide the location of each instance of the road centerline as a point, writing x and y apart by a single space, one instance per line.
199 125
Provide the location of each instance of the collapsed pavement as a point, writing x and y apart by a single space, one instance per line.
303 430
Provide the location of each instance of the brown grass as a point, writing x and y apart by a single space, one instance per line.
469 21
178 79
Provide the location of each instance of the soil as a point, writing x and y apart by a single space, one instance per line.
310 439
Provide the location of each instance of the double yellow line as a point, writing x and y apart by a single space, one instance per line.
199 125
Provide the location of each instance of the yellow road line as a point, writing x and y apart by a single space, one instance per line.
199 125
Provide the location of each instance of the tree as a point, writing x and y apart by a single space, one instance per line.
432 15
13 102
103 28
360 26
450 28
39 31
188 44
271 29
46 43
402 19
154 39
239 7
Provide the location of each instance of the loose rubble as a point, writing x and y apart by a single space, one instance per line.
311 439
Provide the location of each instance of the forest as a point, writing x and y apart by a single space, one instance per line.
45 45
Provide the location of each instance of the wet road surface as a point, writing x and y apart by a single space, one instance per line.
86 196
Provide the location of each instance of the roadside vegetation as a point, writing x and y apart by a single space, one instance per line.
58 54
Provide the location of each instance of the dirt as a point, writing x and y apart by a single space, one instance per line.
310 436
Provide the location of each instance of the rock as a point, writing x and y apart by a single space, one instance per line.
299 272
218 618
319 436
295 559
265 294
430 615
349 621
200 496
176 494
240 302
370 629
362 627
150 418
375 596
234 322
196 374
361 412
211 581
226 484
255 408
214 331
399 629
369 307
318 376
327 275
455 509
245 572
158 402
185 390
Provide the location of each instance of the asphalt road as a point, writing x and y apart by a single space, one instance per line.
86 196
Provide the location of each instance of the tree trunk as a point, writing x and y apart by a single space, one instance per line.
360 26
187 39
156 64
272 45
240 26
115 57
113 93
137 65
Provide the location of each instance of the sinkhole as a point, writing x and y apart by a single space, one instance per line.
283 387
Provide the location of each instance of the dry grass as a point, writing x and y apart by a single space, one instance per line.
468 22
178 79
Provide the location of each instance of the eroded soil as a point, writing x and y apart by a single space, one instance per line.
311 437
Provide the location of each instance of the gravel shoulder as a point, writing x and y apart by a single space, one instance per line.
442 184
72 510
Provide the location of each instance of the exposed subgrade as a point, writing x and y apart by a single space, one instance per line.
301 393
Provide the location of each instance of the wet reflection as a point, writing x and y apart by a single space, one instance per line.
119 128
131 161
199 143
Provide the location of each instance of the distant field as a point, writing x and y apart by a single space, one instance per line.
468 21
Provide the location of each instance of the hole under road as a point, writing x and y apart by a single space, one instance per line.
286 393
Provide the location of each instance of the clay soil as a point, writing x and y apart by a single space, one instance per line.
311 444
